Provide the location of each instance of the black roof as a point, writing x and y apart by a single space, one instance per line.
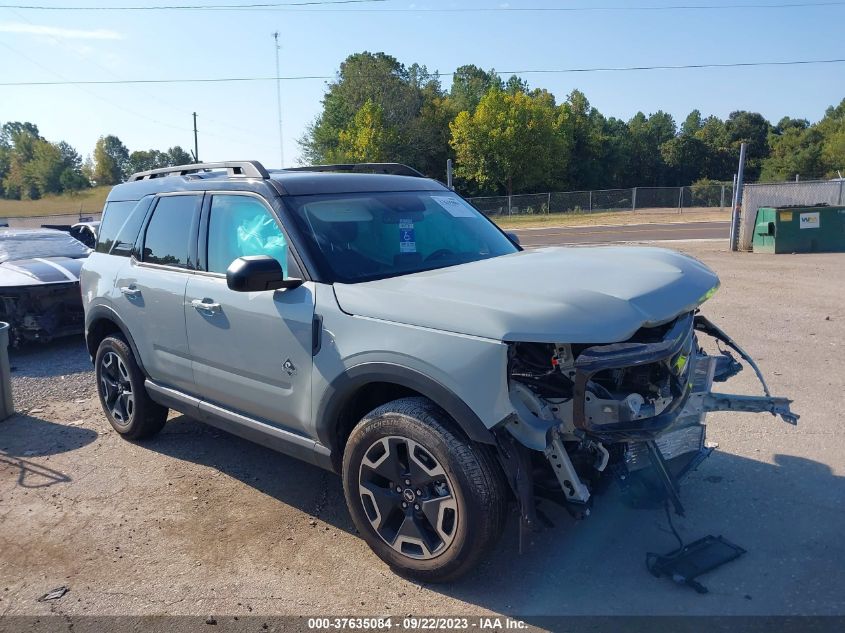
295 182
299 183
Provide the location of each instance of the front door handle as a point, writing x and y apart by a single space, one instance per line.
206 306
130 291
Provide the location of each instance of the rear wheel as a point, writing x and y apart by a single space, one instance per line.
429 502
120 385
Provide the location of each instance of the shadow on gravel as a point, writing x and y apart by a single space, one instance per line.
61 357
24 436
784 515
291 481
787 515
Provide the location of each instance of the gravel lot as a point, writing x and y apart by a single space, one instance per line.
199 522
60 370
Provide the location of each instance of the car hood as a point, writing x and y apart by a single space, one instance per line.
550 295
40 270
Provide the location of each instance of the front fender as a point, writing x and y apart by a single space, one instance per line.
343 388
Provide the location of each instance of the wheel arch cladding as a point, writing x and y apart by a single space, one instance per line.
102 322
362 388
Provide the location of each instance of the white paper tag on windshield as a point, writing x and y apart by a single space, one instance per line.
455 206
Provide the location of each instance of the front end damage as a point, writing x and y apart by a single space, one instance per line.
632 412
41 313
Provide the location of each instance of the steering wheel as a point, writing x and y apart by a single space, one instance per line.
440 253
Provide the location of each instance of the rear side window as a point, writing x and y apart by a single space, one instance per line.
168 236
115 216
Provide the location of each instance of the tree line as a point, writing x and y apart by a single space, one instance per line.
506 137
32 167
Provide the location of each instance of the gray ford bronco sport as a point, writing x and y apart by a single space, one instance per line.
370 321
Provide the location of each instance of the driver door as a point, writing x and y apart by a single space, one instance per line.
250 351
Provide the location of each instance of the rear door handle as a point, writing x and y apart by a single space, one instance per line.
206 305
130 291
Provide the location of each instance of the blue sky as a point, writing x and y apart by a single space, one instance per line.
238 121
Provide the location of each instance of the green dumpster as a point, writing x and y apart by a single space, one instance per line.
800 230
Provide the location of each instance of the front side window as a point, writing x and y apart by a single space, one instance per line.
241 226
167 241
361 237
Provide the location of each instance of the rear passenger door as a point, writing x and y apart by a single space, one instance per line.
251 351
152 285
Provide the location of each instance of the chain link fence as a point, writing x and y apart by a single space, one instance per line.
784 194
640 199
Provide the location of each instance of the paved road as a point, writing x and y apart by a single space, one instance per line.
560 236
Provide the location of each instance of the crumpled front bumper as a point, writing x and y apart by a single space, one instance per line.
691 375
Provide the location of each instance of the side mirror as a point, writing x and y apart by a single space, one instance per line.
256 273
513 237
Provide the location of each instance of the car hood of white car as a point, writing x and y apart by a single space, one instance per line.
549 295
40 271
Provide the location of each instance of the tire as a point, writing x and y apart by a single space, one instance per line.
120 385
409 451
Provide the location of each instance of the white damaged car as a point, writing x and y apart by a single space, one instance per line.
39 284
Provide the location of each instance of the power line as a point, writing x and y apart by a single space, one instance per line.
105 82
88 92
187 7
303 7
148 95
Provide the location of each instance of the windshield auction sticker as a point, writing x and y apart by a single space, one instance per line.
407 237
455 206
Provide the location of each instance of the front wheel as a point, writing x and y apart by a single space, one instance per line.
120 385
428 501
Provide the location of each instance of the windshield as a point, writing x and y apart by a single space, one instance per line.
369 236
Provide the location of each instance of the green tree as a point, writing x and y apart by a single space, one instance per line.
646 136
692 124
832 128
718 162
581 131
795 151
111 161
685 155
178 156
21 140
508 142
45 167
73 181
145 160
402 94
367 139
753 129
470 84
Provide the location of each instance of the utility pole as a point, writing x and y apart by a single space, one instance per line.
196 144
737 201
279 104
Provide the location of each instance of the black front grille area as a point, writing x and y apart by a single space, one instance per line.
658 369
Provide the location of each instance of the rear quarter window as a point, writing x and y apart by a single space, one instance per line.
170 231
120 225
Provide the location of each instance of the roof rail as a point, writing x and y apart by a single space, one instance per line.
245 168
394 169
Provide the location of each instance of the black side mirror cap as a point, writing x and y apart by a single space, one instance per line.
256 273
513 237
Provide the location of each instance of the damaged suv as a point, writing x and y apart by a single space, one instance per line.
372 322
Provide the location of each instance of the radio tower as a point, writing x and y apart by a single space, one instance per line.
279 103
